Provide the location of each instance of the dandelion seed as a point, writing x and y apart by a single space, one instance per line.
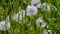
7 25
40 22
43 24
19 15
15 17
4 26
36 3
49 31
7 19
45 7
31 10
45 31
8 22
22 14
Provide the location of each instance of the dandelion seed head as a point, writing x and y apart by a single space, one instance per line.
49 31
45 7
43 24
39 22
19 15
4 26
36 3
8 25
31 10
45 31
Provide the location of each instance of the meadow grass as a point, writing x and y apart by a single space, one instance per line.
9 7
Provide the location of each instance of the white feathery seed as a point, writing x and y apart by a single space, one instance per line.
31 10
36 3
5 24
45 31
40 22
19 15
45 7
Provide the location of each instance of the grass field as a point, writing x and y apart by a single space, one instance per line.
27 24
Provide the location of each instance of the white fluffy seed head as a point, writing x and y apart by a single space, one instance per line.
19 15
45 31
49 31
39 22
43 24
31 10
36 3
45 7
4 26
8 25
15 17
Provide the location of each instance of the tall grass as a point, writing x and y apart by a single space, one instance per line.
9 7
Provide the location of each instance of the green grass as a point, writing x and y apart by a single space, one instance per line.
9 7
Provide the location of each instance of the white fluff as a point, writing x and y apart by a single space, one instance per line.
45 31
43 24
4 25
36 3
45 7
50 31
19 15
40 21
31 10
